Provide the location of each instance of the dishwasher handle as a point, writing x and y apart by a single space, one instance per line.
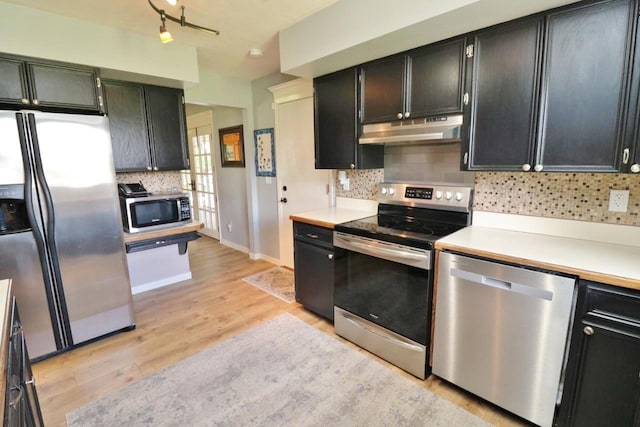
502 284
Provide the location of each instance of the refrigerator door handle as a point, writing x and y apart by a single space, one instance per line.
50 228
35 226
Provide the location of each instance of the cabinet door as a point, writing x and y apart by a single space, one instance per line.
382 90
609 389
62 87
167 128
128 125
336 133
602 383
13 84
504 79
584 86
436 79
314 277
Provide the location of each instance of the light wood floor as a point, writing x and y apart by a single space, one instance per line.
180 320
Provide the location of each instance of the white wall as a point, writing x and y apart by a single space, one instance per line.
351 32
267 192
30 32
232 185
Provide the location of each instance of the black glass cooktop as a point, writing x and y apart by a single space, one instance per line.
415 227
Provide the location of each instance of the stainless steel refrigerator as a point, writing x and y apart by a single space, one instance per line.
60 229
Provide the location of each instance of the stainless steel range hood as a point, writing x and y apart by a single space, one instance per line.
431 130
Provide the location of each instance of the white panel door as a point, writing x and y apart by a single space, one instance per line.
302 186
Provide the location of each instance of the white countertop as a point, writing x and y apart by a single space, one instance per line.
330 216
592 260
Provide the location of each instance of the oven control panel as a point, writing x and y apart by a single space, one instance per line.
441 196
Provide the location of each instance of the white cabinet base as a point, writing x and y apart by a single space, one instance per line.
154 268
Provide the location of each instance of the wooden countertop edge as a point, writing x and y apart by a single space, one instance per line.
4 346
584 274
312 221
129 238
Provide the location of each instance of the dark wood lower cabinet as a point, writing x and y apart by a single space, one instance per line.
314 268
602 386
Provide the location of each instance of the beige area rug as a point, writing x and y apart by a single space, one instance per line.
277 281
280 373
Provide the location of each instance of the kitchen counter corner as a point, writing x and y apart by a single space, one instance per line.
331 216
169 231
598 261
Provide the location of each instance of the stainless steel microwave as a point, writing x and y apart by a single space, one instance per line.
154 212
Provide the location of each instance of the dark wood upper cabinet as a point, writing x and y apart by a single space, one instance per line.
584 86
49 86
383 89
423 82
601 383
128 124
504 74
148 127
583 75
336 124
167 127
436 79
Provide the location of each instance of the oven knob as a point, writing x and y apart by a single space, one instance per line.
392 191
448 195
383 191
438 195
459 197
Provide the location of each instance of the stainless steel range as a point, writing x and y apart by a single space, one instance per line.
384 282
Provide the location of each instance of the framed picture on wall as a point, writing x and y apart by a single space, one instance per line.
265 152
232 146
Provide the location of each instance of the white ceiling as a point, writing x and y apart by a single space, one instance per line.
242 24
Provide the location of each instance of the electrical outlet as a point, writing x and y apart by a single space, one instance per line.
618 200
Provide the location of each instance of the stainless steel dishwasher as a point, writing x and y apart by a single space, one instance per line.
501 331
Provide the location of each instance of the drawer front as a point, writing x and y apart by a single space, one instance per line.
614 303
313 233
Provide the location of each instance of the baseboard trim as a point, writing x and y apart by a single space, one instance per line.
160 283
264 257
234 246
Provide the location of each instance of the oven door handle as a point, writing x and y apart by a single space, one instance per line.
391 339
401 256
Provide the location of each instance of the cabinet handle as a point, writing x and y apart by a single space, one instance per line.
313 236
465 99
155 168
466 158
18 398
625 156
538 168
407 115
100 101
399 115
25 101
148 168
635 168
36 102
31 381
526 167
588 330
330 256
352 166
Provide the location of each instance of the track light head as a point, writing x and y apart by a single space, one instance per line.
165 36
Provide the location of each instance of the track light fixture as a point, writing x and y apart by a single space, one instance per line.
165 36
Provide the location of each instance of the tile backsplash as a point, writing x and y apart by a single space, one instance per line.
575 196
154 182
363 184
